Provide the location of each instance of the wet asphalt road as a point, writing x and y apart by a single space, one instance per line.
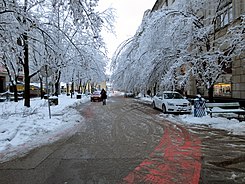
223 157
127 142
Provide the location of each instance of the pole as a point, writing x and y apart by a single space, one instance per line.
47 90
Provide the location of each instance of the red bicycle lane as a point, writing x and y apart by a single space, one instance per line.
176 159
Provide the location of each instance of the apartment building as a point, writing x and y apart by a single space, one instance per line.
162 4
227 13
230 15
3 78
5 83
231 83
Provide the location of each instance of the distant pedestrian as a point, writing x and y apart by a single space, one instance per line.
103 96
148 92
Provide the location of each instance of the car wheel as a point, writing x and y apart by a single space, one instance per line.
153 105
163 108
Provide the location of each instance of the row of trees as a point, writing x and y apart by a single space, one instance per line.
62 34
175 44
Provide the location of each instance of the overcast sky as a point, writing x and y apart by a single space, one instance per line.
129 14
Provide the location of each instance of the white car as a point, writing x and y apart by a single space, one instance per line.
169 101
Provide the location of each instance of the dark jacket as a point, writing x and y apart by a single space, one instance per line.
103 94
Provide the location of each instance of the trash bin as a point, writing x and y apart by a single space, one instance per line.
199 106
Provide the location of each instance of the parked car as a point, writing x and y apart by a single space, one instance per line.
126 95
95 96
169 101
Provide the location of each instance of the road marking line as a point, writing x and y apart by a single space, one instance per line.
177 159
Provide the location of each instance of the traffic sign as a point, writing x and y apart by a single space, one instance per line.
46 71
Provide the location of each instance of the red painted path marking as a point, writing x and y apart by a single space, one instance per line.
88 112
177 159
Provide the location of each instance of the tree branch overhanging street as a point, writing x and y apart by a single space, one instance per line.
181 31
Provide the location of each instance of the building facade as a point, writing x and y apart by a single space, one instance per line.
238 66
162 4
3 79
5 83
231 83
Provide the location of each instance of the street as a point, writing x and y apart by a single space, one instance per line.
127 142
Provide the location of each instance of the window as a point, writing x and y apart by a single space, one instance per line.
172 96
222 89
227 15
224 16
159 94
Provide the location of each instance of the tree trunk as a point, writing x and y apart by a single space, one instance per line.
26 72
211 93
41 87
26 62
13 88
57 84
155 89
15 93
72 88
80 87
67 89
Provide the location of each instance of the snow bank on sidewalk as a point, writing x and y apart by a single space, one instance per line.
219 121
22 128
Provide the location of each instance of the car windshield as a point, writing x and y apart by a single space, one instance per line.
96 93
173 96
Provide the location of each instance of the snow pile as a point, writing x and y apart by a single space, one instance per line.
23 128
219 121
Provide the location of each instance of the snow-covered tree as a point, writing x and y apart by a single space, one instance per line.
177 44
10 50
54 33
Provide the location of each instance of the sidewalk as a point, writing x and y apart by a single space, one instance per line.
220 121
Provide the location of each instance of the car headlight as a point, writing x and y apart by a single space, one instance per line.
170 104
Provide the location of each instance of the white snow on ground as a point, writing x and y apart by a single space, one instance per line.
219 121
22 129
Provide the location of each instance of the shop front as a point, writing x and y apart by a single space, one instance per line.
223 87
222 90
